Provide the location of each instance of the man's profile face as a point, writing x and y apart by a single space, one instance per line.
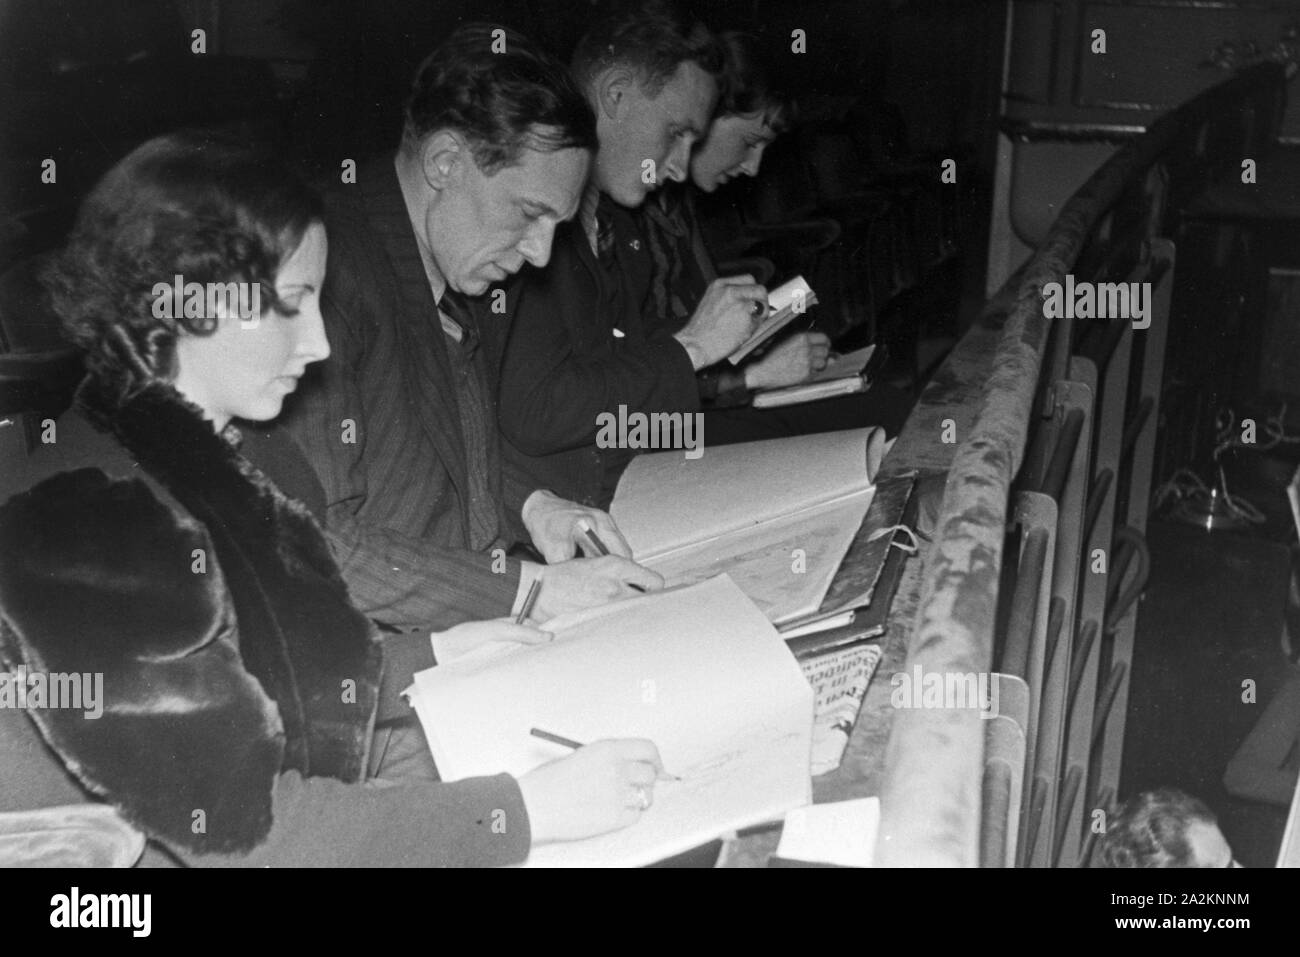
483 228
662 129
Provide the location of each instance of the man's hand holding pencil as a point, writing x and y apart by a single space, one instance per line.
555 525
589 583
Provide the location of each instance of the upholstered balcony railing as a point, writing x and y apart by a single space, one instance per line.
1046 430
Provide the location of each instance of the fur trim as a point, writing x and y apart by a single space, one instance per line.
107 582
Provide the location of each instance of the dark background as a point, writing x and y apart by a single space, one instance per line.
341 67
892 84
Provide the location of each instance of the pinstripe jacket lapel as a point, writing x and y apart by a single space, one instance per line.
425 357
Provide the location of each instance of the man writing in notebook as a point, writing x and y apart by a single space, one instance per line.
581 348
753 110
401 421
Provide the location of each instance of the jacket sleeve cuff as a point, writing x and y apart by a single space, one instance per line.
489 819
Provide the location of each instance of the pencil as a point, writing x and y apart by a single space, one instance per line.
592 537
555 739
529 601
575 745
599 546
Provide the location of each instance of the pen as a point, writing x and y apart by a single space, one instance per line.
599 546
575 745
529 600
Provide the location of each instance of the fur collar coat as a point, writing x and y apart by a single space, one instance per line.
146 548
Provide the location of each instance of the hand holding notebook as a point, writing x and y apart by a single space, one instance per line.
789 362
724 316
785 303
843 375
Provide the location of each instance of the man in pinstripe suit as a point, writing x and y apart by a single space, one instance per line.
401 420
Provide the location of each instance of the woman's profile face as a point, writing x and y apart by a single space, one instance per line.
734 147
244 369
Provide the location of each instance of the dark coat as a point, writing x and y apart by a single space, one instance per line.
564 365
211 605
238 680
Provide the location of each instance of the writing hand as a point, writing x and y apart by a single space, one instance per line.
556 527
589 582
727 315
602 787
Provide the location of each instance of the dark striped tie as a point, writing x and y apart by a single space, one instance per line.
456 308
604 238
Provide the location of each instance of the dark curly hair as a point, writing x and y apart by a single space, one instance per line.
193 204
652 37
501 102
1150 830
748 83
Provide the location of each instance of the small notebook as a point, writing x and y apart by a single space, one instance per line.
786 302
844 375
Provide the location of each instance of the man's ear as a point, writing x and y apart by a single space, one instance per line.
612 89
442 158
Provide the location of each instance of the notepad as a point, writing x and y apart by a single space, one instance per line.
843 375
786 302
777 516
698 670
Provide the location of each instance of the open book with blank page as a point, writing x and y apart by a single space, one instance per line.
697 670
776 515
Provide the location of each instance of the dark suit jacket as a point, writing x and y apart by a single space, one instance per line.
397 492
564 366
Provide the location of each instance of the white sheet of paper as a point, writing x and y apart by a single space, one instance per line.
843 833
785 295
698 670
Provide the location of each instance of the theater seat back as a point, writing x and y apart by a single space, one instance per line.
39 370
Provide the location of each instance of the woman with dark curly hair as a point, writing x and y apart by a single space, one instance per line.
178 555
